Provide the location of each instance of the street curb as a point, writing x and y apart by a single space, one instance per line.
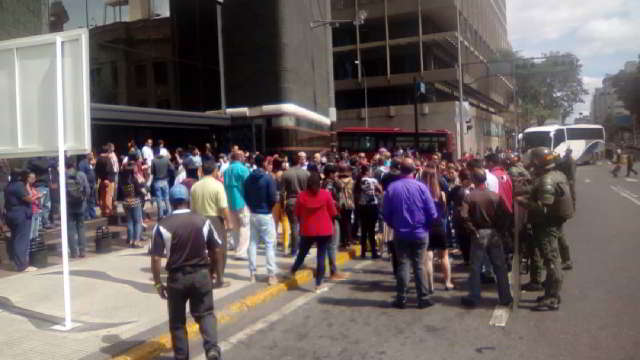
162 343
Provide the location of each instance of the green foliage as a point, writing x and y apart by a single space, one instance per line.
627 87
547 88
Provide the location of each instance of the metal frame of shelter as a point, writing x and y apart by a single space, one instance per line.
44 77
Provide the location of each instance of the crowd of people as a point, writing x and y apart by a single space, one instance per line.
418 208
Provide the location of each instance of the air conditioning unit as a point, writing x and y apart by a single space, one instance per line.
391 111
424 109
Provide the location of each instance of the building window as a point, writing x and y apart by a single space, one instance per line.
140 74
160 73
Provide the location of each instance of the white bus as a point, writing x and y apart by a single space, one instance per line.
585 141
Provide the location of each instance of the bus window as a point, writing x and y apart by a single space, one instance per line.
536 138
558 137
585 134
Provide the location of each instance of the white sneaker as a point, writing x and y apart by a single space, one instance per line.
30 269
321 288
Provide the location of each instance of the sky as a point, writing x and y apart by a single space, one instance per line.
604 34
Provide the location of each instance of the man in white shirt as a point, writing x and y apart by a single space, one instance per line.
147 152
163 150
492 182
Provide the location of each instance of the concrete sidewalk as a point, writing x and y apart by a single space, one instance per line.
114 304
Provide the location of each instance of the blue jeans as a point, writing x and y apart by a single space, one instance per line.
134 223
46 204
161 188
35 226
90 210
77 236
332 249
262 228
18 245
305 245
488 242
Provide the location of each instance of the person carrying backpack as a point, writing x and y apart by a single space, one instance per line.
550 206
368 190
77 192
346 203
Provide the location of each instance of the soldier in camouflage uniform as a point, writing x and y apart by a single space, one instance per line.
567 165
549 205
531 261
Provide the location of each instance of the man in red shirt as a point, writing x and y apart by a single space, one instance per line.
505 189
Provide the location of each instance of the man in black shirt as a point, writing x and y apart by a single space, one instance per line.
160 168
190 243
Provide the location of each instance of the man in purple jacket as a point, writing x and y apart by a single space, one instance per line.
409 210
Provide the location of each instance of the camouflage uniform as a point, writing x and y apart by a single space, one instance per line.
547 227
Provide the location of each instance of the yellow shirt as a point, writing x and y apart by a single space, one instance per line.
208 197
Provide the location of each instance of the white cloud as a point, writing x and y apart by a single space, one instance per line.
585 27
601 33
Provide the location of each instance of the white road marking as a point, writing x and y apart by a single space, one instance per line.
246 333
587 180
500 316
631 180
627 194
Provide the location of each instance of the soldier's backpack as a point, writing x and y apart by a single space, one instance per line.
563 204
75 191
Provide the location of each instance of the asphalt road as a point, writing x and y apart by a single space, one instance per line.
598 319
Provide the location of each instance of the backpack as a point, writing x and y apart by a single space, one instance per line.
345 198
563 204
75 191
368 190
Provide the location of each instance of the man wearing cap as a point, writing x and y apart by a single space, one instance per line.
190 242
209 199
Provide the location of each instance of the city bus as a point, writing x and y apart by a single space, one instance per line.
587 142
369 140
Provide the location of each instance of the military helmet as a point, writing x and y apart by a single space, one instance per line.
542 157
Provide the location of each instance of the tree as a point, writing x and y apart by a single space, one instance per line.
549 88
627 87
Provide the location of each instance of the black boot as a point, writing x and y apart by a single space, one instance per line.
400 302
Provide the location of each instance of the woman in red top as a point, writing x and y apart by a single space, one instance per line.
315 210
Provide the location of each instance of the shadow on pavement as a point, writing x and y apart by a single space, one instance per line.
42 321
355 302
146 288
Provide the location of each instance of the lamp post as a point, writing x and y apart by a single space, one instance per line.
366 98
460 132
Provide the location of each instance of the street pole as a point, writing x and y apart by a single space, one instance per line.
460 132
223 96
415 113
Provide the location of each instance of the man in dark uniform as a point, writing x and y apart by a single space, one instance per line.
549 206
190 242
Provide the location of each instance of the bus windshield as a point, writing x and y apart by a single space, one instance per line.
536 138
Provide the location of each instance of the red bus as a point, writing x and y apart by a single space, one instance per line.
369 140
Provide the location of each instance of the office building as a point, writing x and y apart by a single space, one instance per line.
375 65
